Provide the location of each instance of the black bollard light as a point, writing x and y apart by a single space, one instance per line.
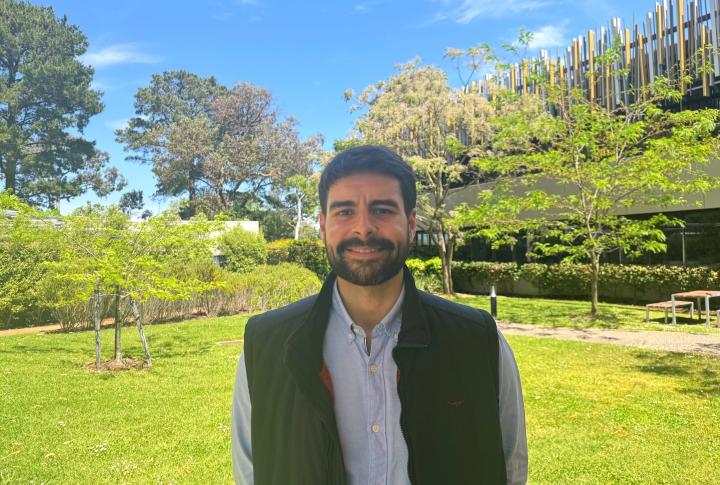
493 302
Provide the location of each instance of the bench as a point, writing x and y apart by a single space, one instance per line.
668 305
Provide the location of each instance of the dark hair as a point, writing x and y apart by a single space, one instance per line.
369 159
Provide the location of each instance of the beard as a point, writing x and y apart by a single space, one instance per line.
369 272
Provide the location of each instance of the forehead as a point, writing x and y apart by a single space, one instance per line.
365 186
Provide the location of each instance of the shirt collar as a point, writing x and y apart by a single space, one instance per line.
390 323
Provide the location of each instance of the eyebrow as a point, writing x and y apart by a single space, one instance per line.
374 203
386 202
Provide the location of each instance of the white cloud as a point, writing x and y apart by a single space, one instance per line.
118 54
117 124
248 3
548 37
365 7
466 11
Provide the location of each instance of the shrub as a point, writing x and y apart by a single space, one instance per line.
427 274
243 250
264 288
630 282
306 253
483 275
278 251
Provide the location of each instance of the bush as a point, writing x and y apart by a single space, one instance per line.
626 282
264 288
306 253
243 250
427 274
482 275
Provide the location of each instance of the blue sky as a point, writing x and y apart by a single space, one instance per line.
305 53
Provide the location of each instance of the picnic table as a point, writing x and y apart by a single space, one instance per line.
699 295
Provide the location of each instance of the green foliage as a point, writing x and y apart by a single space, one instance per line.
582 165
223 148
243 250
21 278
483 274
570 279
45 101
427 273
26 244
307 253
273 286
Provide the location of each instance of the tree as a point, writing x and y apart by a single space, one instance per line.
131 201
45 100
167 106
103 253
224 150
434 127
255 149
584 165
303 191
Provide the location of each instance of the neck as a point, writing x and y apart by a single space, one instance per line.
367 305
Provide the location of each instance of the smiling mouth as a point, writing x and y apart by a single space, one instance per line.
362 250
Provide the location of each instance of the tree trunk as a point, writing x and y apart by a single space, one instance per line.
298 220
118 327
10 174
594 277
141 330
96 318
446 254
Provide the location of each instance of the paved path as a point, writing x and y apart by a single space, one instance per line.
670 341
649 339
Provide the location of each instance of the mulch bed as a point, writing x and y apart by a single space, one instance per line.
126 363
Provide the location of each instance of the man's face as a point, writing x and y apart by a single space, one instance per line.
366 232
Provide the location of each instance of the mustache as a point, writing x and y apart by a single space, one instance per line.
374 243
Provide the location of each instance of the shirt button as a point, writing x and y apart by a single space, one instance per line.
373 368
375 428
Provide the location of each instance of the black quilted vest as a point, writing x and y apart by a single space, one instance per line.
447 357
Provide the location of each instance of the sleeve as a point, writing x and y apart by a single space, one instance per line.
512 416
240 432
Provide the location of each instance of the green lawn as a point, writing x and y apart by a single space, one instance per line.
576 314
596 413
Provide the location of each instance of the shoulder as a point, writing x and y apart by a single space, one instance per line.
451 312
280 320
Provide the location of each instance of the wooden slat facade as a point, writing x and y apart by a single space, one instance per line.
676 37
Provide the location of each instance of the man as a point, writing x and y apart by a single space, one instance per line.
372 381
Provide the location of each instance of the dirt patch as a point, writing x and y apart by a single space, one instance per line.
230 342
114 365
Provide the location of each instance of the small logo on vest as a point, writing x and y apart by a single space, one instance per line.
456 404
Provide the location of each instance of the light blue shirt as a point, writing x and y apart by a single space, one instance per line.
367 405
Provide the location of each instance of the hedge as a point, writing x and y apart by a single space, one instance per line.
623 282
307 253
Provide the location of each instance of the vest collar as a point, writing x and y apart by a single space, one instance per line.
304 347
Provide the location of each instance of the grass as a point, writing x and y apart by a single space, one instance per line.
64 424
596 413
576 314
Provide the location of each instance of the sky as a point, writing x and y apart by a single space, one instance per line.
305 53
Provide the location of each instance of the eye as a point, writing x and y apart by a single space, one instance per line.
381 211
344 212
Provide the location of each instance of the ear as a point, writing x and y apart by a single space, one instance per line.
412 221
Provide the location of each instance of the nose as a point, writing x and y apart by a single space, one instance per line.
364 225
